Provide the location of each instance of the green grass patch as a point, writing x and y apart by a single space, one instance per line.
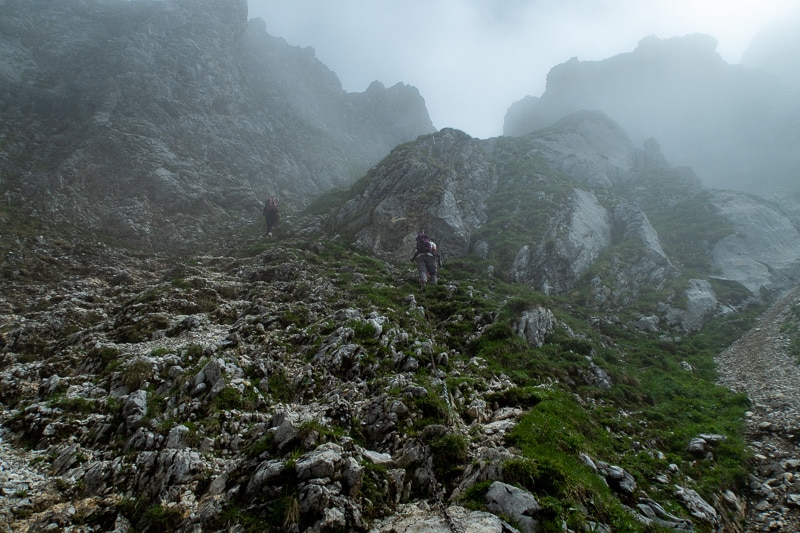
74 406
230 398
449 456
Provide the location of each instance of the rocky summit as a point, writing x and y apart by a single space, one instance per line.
611 345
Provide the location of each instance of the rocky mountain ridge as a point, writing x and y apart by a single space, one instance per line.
158 122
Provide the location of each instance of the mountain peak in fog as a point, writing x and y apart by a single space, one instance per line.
733 125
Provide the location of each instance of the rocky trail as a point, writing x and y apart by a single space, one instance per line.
760 365
22 484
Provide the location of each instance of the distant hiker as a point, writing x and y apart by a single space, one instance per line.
428 259
271 214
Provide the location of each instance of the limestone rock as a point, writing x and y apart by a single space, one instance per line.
534 325
617 478
515 503
762 252
455 199
416 518
588 147
569 247
135 408
698 507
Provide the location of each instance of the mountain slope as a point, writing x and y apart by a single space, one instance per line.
561 375
301 384
157 122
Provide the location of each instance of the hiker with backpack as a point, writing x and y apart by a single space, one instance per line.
271 213
426 254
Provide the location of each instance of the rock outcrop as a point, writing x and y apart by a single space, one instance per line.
761 253
577 205
588 147
571 245
441 183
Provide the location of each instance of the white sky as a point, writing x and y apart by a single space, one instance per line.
471 59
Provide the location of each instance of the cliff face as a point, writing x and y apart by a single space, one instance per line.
761 253
440 183
734 126
158 121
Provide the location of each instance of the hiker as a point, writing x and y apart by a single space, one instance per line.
271 213
428 259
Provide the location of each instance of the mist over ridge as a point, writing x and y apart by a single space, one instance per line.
774 49
737 127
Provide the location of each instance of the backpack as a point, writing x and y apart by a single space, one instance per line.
424 244
271 206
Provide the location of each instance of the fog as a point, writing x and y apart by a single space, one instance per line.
783 34
471 59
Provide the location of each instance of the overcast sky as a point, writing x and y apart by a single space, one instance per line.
471 59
